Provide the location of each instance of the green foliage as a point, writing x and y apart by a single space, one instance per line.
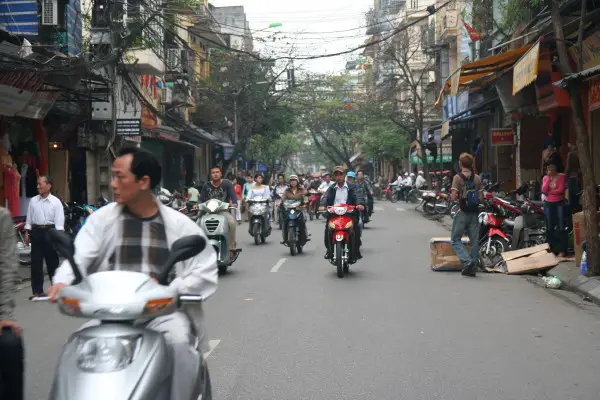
519 11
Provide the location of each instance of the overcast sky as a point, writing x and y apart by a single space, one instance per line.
309 26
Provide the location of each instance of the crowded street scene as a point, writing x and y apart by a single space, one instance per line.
244 200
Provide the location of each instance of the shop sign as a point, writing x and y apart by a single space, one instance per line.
129 127
591 51
444 158
594 93
151 92
502 137
16 90
526 69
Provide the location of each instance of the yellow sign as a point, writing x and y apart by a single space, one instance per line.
526 69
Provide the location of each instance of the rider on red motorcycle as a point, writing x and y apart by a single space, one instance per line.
343 193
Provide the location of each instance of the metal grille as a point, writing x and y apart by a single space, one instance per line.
211 226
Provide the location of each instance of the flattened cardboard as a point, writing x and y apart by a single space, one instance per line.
512 255
535 263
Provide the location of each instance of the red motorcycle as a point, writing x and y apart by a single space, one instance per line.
341 227
314 198
493 240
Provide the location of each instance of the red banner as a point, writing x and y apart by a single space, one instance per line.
502 137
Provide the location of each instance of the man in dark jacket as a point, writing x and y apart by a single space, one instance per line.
342 193
366 191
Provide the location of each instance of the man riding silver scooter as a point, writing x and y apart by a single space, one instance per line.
149 341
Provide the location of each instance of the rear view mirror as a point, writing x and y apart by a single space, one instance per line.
63 243
182 249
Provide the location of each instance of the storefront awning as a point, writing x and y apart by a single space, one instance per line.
483 71
583 75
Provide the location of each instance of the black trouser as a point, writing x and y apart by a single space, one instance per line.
355 238
12 366
301 223
41 249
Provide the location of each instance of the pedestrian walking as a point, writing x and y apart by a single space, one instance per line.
45 213
468 191
11 343
238 192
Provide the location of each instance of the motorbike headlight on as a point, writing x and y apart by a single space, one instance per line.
340 210
212 205
106 354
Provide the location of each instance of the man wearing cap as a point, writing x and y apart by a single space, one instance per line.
342 193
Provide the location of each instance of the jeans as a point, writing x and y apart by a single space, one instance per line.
555 217
468 223
12 366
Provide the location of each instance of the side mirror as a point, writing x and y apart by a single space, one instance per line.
63 243
182 249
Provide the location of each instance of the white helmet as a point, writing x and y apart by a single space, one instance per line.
406 174
412 175
420 172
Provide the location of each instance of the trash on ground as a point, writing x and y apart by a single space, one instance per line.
531 259
551 282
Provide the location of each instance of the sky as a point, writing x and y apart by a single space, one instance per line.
309 25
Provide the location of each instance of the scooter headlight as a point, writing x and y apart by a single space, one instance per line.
107 354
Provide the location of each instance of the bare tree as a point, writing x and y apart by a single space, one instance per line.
407 82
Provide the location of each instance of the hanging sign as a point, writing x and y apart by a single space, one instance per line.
526 69
502 137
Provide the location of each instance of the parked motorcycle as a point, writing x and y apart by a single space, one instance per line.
314 199
217 230
116 359
259 226
428 199
493 241
341 227
296 239
23 251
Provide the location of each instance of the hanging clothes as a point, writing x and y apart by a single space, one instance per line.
24 201
31 183
11 190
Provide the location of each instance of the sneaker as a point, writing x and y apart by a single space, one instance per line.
469 270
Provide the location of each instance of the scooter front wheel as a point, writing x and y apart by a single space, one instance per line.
292 242
256 234
339 260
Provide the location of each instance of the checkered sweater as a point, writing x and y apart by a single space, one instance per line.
8 265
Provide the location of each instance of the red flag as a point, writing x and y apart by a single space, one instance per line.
473 34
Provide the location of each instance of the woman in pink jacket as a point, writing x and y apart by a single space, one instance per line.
553 187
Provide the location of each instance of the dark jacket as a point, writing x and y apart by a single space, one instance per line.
353 199
363 190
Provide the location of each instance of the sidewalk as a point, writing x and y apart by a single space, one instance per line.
568 273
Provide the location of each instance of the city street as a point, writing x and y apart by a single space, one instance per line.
286 328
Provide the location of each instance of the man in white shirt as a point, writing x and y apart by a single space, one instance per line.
326 183
420 182
45 212
135 234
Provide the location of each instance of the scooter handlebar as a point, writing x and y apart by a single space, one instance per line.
190 298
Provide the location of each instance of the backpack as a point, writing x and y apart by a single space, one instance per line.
469 199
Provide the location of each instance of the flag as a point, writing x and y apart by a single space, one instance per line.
473 34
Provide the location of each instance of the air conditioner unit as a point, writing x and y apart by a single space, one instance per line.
174 60
49 12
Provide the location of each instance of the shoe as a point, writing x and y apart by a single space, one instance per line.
358 255
35 296
469 270
328 256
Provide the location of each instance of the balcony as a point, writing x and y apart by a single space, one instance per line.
143 61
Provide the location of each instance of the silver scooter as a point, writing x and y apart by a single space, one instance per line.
115 359
215 226
259 226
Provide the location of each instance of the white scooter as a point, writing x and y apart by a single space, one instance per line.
115 359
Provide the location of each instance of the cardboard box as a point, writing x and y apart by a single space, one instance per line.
443 258
529 260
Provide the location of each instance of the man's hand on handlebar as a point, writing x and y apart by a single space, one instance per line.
54 291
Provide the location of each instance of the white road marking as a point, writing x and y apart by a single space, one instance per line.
213 345
400 209
378 208
278 265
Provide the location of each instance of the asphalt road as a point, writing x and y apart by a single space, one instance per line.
286 328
